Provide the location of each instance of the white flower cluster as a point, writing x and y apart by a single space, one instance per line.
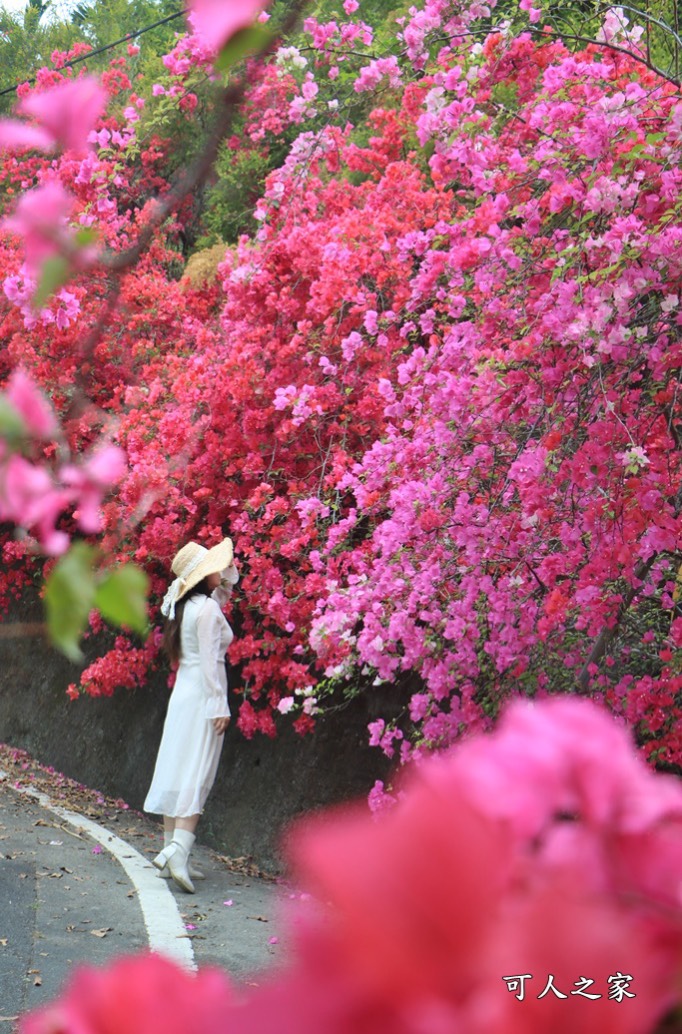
290 56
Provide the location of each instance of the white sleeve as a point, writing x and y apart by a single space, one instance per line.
221 595
210 634
228 579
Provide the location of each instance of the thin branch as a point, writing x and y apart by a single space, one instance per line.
607 634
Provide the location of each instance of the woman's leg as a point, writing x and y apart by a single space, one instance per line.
176 855
189 823
169 826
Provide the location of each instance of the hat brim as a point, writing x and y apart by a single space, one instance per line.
215 561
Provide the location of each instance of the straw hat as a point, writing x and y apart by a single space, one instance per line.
192 564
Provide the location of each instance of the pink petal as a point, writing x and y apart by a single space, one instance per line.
89 512
18 136
29 498
31 404
38 218
25 490
52 542
216 21
106 466
68 111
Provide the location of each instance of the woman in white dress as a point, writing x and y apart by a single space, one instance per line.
197 637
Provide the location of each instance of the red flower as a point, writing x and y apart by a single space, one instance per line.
145 995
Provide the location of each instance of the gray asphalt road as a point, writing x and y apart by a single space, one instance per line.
18 897
66 901
63 901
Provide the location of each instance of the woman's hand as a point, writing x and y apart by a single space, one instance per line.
220 725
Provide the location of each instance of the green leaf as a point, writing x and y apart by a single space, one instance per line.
53 275
69 598
85 236
246 41
12 426
121 597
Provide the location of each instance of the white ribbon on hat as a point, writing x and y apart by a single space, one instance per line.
177 587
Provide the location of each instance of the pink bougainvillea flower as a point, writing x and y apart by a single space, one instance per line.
27 491
405 931
145 995
30 499
216 21
554 926
19 136
39 219
68 112
37 413
551 760
620 824
90 480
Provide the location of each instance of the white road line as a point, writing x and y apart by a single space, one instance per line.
166 932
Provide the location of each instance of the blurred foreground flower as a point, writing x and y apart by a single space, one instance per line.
41 220
528 881
36 491
65 115
145 995
217 21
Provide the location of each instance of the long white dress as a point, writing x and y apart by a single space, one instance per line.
190 748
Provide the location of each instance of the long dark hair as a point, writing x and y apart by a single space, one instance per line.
172 626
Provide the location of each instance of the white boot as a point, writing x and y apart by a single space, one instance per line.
195 874
176 857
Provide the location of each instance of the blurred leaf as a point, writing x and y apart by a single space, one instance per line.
246 41
121 597
86 236
12 425
54 274
69 598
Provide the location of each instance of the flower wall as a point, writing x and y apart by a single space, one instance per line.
433 394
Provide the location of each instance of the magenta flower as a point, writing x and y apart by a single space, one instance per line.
550 758
90 480
29 498
20 136
40 218
137 996
38 415
216 21
68 112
